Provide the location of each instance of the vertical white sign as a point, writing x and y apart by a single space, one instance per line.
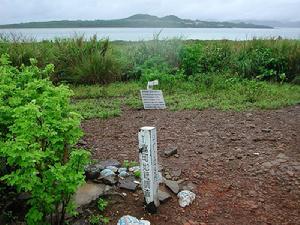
149 165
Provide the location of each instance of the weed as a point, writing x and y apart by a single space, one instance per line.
98 219
128 164
94 108
102 204
137 174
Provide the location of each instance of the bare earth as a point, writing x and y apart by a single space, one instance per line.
245 166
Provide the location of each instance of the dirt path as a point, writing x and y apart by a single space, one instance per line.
245 166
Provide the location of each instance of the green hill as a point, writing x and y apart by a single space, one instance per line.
138 20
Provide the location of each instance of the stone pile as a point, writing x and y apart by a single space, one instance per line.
109 177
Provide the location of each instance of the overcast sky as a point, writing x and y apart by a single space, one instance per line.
13 11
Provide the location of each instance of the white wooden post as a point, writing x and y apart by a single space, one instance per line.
149 167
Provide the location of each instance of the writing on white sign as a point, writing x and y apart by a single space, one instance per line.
153 99
149 168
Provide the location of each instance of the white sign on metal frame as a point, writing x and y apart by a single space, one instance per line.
149 166
153 99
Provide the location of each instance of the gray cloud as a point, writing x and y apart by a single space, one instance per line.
12 11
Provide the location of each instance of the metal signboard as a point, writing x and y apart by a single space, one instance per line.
153 99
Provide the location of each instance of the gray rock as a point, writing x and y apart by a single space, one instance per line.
172 185
163 196
89 192
91 172
267 165
123 174
109 162
110 180
128 184
170 151
106 173
99 166
112 168
122 169
175 172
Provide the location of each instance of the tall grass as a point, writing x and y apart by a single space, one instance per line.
78 60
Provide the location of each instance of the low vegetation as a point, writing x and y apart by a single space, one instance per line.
193 74
81 61
207 91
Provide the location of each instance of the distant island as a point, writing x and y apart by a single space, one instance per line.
272 23
136 21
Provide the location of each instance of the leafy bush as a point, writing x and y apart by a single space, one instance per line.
262 63
38 134
205 58
252 90
272 60
190 55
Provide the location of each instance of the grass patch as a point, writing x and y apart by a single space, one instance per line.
97 108
220 92
112 90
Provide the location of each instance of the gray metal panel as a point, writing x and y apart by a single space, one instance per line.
153 99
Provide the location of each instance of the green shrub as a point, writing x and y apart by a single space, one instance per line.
262 63
205 58
252 90
190 55
38 134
